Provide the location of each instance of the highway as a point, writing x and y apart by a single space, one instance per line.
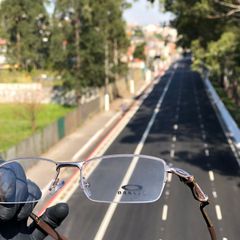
185 132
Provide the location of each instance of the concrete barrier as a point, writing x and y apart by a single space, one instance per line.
231 128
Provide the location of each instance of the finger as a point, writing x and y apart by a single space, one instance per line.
7 194
7 212
53 216
13 183
34 194
56 214
13 189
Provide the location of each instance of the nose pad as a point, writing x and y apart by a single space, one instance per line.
56 186
85 186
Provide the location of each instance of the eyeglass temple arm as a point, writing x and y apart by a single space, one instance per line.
198 195
47 228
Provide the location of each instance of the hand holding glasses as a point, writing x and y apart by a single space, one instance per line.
124 178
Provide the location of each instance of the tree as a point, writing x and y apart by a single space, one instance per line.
24 24
101 25
139 52
211 30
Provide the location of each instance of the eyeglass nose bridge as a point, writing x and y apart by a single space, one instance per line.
61 165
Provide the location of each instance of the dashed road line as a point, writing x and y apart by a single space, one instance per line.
164 212
172 153
218 212
211 175
174 138
207 152
175 127
214 193
167 193
169 177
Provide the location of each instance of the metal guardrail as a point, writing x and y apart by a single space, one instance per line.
230 126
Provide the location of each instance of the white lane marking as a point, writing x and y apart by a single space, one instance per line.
207 152
169 177
164 212
174 138
204 136
172 152
224 238
175 127
214 193
167 193
205 145
218 212
211 175
111 209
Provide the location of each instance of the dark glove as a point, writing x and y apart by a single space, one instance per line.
13 217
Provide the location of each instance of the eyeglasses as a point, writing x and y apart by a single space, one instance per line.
123 178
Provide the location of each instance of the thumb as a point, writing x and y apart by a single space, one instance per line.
53 216
56 214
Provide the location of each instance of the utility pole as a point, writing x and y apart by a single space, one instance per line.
106 93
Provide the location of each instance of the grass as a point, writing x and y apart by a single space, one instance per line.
232 107
15 126
17 76
14 76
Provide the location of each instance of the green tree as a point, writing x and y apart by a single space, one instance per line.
139 52
24 24
211 30
83 58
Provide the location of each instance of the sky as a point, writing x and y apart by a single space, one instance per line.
144 13
141 13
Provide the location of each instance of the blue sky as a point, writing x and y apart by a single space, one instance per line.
143 13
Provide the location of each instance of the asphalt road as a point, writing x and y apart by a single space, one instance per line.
186 132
